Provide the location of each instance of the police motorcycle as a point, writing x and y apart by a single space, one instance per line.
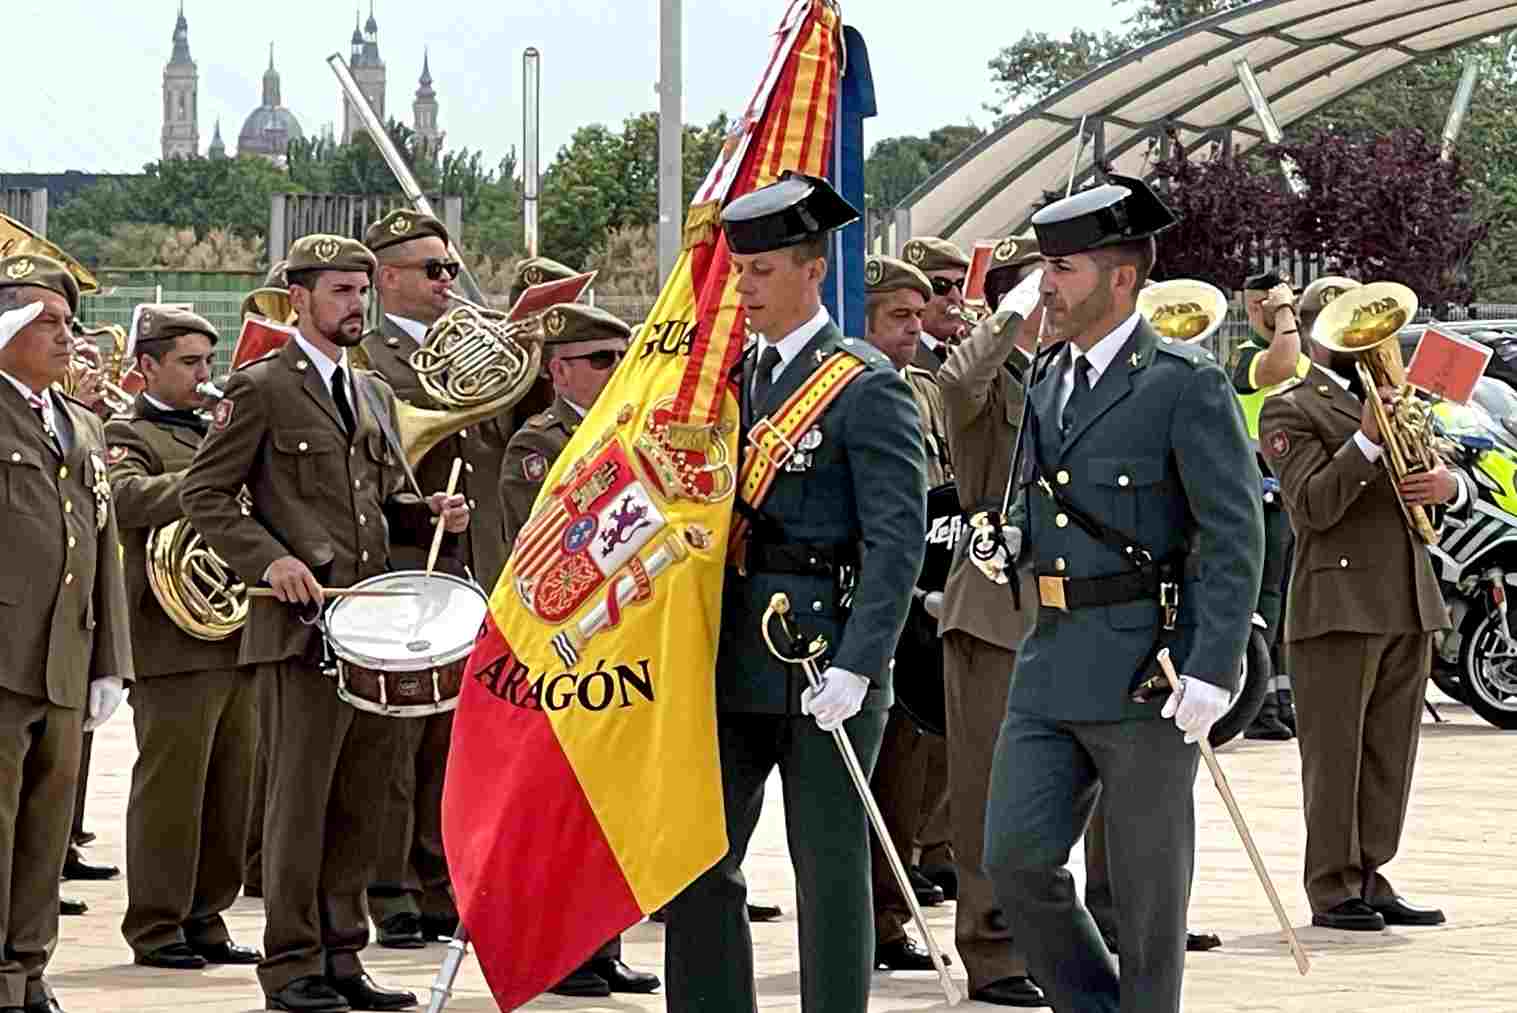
1475 661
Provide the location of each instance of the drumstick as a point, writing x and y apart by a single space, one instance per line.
1303 963
336 592
458 463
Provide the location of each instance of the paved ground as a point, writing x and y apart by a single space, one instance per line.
1459 854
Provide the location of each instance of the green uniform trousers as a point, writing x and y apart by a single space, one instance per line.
39 764
412 875
320 841
187 815
1044 782
708 953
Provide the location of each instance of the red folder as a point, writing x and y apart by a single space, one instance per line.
550 293
1447 364
979 267
259 337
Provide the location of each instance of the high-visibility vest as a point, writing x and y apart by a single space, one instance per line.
1253 404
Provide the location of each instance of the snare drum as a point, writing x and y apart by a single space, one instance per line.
404 657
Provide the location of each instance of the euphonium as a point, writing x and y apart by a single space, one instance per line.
1183 309
1364 322
196 588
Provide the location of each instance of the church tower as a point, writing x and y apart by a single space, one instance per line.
181 85
424 110
369 72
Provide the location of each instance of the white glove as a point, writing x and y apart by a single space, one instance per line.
105 697
11 321
840 698
1196 707
1023 299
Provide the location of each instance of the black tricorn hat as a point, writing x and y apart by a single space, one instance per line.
791 210
1119 211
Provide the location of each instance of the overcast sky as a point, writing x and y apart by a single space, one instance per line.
89 79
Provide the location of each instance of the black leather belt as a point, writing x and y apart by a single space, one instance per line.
1155 581
821 560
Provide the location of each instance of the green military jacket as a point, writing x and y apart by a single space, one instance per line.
1160 454
860 481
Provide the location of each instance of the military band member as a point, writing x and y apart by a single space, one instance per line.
1143 527
841 532
946 269
983 384
897 294
1361 612
409 900
580 352
66 655
193 708
300 431
537 271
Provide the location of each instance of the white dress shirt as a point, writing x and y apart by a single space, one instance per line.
415 328
931 343
50 421
791 344
1100 358
326 367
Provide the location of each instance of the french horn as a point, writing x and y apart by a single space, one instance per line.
195 587
1183 309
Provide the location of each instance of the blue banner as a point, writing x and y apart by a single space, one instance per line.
843 292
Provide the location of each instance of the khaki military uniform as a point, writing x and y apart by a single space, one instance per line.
982 402
1360 614
335 502
412 877
910 777
194 711
63 607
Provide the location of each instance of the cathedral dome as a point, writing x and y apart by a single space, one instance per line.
268 131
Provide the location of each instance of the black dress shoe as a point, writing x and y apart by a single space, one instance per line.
362 993
584 984
1200 942
75 867
929 894
401 932
310 994
904 955
622 978
227 953
48 1005
1397 911
1017 990
82 838
438 927
945 877
71 907
1352 915
764 912
174 956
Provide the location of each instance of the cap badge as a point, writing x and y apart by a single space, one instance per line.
1005 250
533 276
326 250
916 252
1330 293
874 270
554 323
20 269
400 226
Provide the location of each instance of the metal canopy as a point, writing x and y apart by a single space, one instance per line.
1305 53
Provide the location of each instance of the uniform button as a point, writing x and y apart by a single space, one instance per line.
356 483
362 520
468 468
1060 565
68 578
473 504
304 446
72 541
1168 341
63 472
1062 477
301 365
365 556
352 451
1124 481
16 456
68 507
1343 562
463 434
816 606
1062 520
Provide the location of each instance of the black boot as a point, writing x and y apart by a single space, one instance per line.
1266 724
1287 709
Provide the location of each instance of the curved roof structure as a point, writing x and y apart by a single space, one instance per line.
1304 53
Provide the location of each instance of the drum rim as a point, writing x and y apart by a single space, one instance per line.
419 662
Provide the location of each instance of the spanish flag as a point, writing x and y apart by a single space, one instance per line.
584 786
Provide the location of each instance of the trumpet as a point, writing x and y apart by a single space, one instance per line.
87 363
209 391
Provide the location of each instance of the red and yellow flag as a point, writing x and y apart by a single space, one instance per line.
584 787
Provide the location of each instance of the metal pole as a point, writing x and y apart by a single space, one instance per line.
1272 132
397 164
531 172
671 136
1459 108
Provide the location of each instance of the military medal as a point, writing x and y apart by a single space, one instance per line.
102 490
810 439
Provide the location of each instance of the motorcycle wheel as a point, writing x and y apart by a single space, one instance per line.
1257 672
1489 673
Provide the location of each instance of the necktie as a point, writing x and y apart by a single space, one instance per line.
340 396
765 377
39 406
941 351
1078 396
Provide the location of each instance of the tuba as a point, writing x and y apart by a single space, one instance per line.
1183 309
1364 322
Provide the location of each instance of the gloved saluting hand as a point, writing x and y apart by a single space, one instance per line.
11 321
1023 299
1196 707
840 698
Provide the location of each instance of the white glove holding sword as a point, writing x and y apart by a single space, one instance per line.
839 697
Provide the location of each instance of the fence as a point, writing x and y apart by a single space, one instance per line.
27 205
292 215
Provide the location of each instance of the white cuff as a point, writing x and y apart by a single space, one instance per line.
1369 450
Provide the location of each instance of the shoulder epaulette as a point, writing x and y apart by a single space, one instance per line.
265 357
1195 355
865 353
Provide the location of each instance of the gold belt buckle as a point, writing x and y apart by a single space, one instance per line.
756 431
1051 593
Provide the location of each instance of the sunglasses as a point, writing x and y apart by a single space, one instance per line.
437 268
600 361
942 286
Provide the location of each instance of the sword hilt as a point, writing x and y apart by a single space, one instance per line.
779 608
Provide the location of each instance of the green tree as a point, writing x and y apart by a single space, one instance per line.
898 165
